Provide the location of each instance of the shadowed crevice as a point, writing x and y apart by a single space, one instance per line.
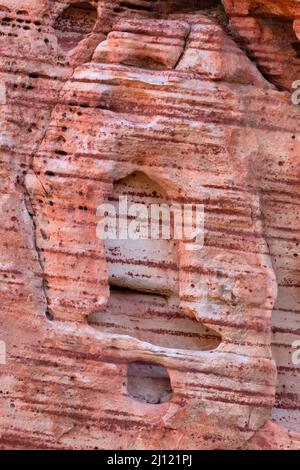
155 320
149 383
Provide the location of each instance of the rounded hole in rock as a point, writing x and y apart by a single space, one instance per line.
74 23
144 282
149 383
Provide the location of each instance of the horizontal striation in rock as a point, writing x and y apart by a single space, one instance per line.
167 93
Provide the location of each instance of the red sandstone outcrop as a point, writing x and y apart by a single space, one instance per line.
268 31
149 344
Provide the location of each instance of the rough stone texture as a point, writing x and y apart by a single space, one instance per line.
160 101
268 31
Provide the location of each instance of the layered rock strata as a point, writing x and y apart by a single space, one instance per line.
153 344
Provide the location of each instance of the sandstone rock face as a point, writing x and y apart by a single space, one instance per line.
149 344
268 30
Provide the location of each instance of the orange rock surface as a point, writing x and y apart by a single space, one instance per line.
149 344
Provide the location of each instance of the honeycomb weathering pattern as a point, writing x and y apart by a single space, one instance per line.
193 99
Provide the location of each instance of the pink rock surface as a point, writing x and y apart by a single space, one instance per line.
149 344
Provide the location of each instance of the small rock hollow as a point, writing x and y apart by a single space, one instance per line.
149 383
